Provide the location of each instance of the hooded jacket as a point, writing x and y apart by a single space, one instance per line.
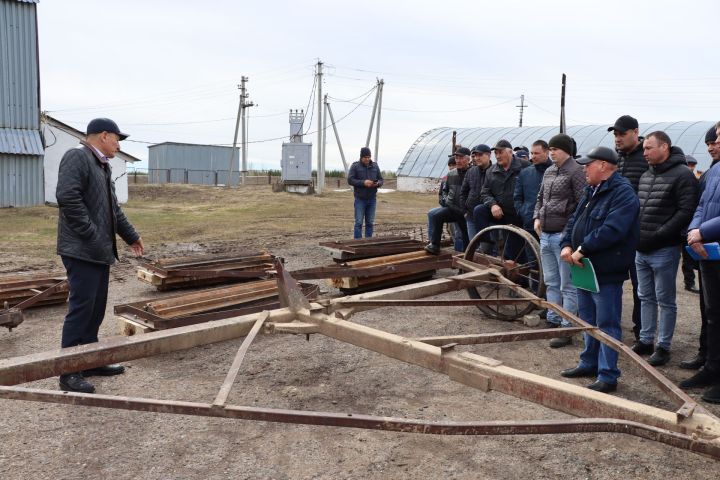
452 189
707 214
605 224
668 194
527 186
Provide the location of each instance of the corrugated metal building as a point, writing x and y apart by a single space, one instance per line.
21 149
426 160
171 162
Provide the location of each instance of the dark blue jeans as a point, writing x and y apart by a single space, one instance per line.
364 209
86 306
603 310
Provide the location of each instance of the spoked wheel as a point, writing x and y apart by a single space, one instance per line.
514 252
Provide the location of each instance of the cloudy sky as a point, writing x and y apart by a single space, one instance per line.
169 70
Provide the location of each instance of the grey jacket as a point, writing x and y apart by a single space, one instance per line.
560 191
89 212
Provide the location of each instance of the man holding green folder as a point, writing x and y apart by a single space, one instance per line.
604 231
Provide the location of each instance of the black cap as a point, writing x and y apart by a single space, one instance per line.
599 153
502 144
451 160
463 151
365 152
624 123
690 160
482 148
711 135
522 153
99 125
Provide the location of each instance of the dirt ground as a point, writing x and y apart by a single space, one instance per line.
67 442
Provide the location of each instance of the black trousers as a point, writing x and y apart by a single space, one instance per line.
636 302
688 268
448 215
86 306
710 274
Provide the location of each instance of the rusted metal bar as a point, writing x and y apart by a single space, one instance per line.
431 303
499 337
222 395
354 420
336 271
58 287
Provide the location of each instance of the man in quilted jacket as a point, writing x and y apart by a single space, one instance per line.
88 221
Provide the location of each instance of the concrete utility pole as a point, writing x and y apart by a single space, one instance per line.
241 118
337 136
522 107
320 164
381 85
372 117
562 105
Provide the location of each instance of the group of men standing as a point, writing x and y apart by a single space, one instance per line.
630 211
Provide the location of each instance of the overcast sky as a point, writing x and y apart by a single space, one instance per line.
169 70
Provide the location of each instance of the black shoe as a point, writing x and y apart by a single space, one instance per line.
643 348
74 382
712 394
701 379
560 342
691 288
694 363
106 371
579 372
659 357
600 386
432 248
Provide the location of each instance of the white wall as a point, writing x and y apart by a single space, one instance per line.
417 184
59 142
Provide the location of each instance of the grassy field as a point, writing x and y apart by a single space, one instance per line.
189 213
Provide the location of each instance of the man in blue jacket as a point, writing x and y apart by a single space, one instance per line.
365 177
705 228
604 230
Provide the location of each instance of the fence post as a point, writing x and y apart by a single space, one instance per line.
216 178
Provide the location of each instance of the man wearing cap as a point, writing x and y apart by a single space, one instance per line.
473 182
498 205
705 228
668 197
692 165
453 210
631 165
452 164
560 190
604 230
88 221
698 360
365 177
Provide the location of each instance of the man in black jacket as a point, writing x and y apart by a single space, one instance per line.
365 178
453 210
473 182
88 221
631 165
668 196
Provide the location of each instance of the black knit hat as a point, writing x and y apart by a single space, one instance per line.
711 135
563 142
365 152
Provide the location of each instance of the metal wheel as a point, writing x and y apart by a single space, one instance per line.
514 252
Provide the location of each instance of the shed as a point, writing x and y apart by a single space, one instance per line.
21 150
171 162
59 138
426 160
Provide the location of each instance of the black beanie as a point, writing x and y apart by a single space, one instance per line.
711 135
365 152
563 142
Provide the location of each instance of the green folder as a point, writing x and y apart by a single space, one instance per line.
584 277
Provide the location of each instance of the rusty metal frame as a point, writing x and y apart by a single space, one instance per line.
11 317
690 426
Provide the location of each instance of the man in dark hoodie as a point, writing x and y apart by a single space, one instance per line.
631 165
603 229
699 360
668 193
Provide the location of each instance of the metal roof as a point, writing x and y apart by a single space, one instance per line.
21 142
427 157
45 118
19 77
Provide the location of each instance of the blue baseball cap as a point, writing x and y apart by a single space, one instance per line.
482 148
